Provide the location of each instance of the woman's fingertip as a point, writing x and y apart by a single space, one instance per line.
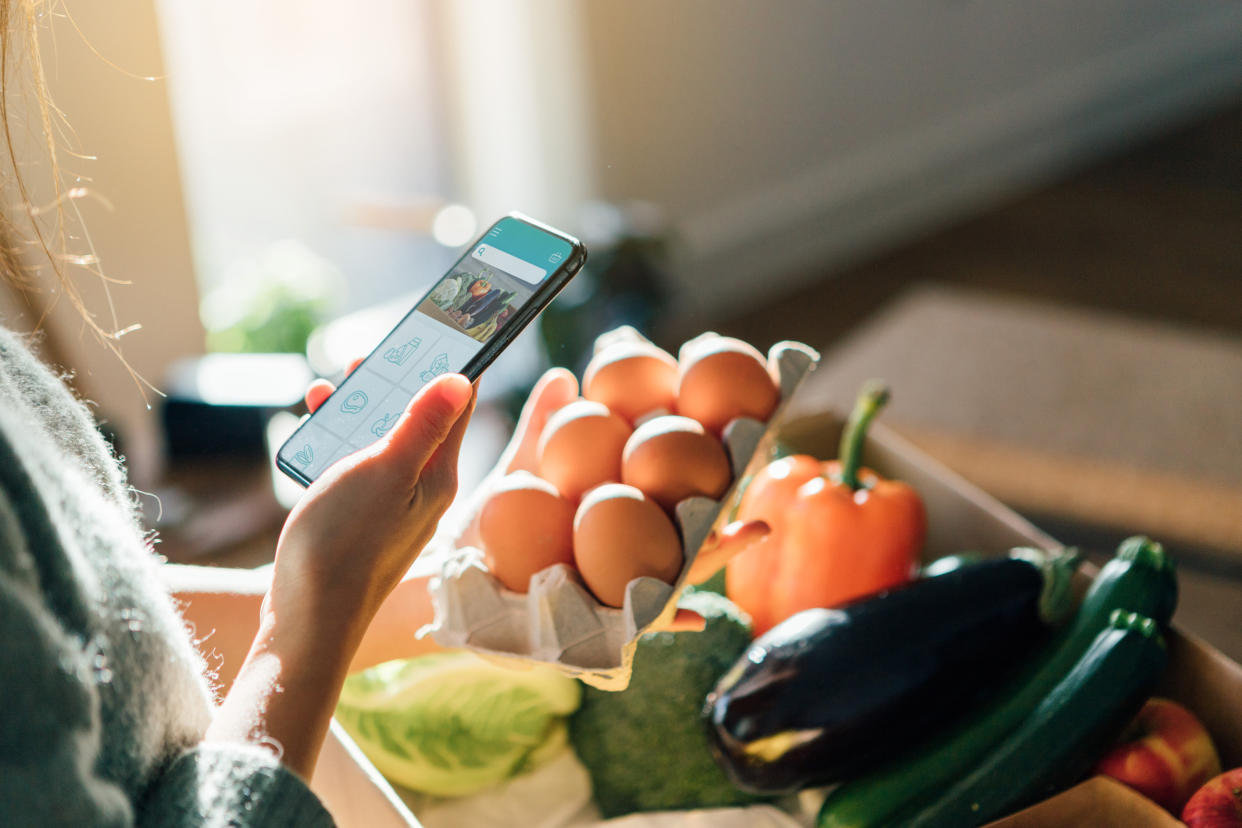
558 382
566 377
457 391
318 391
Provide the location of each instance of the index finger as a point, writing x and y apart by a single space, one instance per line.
557 388
321 389
318 391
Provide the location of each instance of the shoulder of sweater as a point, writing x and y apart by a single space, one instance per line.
41 399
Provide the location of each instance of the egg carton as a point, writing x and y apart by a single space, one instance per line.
558 622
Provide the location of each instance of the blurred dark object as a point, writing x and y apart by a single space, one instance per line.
196 429
219 404
622 283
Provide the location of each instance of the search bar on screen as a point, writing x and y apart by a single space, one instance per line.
509 263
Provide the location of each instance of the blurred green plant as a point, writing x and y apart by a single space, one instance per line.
272 302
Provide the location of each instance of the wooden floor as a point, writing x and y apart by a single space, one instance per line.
1156 232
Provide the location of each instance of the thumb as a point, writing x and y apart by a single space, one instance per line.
427 422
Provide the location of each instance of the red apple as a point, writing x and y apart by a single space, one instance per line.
1164 754
1218 804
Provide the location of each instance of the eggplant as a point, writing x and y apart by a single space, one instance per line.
832 693
941 566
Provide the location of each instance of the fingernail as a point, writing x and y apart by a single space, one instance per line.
456 390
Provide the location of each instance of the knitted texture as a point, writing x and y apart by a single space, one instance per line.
103 700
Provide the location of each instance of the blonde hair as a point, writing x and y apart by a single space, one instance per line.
24 226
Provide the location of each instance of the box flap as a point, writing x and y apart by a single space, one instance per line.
1099 802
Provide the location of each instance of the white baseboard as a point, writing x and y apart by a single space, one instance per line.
771 241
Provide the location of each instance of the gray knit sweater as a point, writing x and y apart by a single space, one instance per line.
103 700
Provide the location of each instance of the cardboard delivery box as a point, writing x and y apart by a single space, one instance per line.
961 517
352 790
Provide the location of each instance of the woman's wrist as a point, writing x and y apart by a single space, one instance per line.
320 605
325 625
287 688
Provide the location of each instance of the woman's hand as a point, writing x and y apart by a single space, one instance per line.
343 549
361 524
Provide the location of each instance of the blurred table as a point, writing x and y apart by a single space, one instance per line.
1057 411
217 511
1106 424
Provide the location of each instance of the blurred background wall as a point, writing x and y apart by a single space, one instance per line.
302 143
114 129
782 139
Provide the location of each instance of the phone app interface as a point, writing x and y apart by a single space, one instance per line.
448 327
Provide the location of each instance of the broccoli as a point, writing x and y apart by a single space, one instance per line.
646 747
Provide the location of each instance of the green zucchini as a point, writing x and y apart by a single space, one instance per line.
1065 735
1140 578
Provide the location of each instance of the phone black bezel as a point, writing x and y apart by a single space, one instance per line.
473 369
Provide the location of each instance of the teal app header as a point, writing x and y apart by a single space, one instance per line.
529 243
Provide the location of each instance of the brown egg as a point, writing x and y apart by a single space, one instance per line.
621 534
581 447
632 379
672 458
722 378
525 526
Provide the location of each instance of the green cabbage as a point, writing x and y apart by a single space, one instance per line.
450 724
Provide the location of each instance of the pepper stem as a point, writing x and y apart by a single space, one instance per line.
871 399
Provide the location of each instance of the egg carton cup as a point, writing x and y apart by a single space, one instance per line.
558 621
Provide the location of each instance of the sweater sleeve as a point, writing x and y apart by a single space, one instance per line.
49 718
50 772
227 784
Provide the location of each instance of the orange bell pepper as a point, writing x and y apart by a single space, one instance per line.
838 531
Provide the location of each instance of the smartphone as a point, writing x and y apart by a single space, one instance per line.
461 325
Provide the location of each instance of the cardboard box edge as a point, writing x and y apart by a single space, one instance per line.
353 790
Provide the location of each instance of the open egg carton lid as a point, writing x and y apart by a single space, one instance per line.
558 622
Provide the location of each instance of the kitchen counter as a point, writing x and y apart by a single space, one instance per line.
1092 424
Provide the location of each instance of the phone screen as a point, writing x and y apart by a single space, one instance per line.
496 288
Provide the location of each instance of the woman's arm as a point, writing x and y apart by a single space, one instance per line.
222 605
